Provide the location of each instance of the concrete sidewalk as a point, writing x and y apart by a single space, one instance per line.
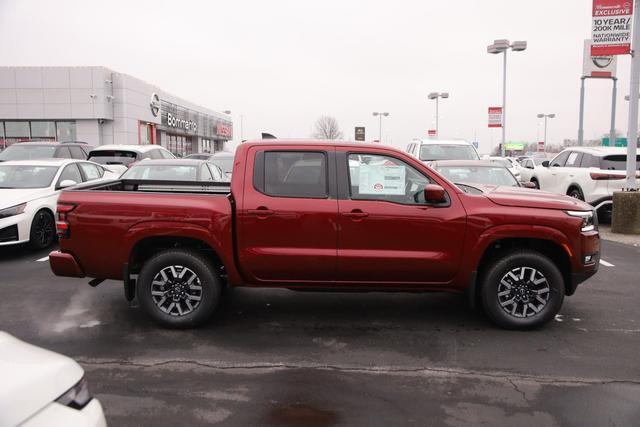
629 239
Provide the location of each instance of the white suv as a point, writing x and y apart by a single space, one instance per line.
430 150
591 174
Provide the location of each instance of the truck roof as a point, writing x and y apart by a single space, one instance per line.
322 142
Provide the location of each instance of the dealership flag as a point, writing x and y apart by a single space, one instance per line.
611 27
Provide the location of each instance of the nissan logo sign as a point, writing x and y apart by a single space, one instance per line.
155 104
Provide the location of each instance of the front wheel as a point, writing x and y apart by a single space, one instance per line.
178 288
522 290
536 183
43 230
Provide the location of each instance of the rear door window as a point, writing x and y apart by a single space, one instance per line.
300 174
70 172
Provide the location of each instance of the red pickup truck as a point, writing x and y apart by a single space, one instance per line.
328 216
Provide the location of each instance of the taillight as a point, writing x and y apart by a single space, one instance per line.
62 226
599 176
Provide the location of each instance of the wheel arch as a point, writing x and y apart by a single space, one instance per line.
502 246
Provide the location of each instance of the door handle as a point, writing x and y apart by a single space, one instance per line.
355 214
260 212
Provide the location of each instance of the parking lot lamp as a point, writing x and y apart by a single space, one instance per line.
546 116
375 113
436 96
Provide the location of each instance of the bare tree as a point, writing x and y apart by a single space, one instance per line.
327 127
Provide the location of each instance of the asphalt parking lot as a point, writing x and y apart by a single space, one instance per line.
272 357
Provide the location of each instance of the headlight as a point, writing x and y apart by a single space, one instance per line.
77 397
589 221
13 210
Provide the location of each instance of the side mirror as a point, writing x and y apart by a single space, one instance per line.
545 163
434 194
67 183
528 184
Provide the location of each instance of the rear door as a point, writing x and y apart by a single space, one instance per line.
388 233
288 216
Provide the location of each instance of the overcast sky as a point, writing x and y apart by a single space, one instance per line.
282 64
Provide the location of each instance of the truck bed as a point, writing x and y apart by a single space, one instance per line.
114 217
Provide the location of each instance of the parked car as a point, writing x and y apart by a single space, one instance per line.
43 388
477 172
29 190
35 150
429 150
223 159
293 217
512 165
119 157
589 174
175 170
529 164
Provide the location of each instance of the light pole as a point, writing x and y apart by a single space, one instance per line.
228 112
546 116
436 96
501 46
375 113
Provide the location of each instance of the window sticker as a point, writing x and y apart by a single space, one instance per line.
382 179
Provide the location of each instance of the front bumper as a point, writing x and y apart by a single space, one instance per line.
581 271
63 264
14 230
56 414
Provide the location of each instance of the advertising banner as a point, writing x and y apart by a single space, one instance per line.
359 133
611 27
495 117
432 132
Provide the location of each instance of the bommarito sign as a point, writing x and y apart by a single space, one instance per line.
611 27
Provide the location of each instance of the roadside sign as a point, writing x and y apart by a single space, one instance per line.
540 146
597 66
611 27
476 144
495 117
432 132
621 141
514 146
359 133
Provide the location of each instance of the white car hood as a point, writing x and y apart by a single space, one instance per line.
16 196
31 378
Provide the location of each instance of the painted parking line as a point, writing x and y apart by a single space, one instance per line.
606 264
43 259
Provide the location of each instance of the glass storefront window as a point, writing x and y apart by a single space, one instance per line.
43 130
17 129
66 131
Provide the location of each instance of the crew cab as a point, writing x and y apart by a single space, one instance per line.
327 216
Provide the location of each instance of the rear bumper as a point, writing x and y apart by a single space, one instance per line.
63 264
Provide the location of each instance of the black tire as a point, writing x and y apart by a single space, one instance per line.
502 269
43 230
536 183
575 193
604 215
181 291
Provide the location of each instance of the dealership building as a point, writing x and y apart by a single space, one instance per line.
101 106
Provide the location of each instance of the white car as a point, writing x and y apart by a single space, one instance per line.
430 150
43 388
119 157
29 191
513 166
590 174
529 165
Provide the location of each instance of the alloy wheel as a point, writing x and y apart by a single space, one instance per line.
176 290
43 231
523 292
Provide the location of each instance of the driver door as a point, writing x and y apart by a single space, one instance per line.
387 233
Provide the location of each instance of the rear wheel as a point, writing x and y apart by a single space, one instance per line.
43 230
522 290
178 288
536 183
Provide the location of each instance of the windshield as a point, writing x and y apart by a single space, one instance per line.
617 162
430 152
27 152
226 164
162 172
489 175
113 157
26 176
